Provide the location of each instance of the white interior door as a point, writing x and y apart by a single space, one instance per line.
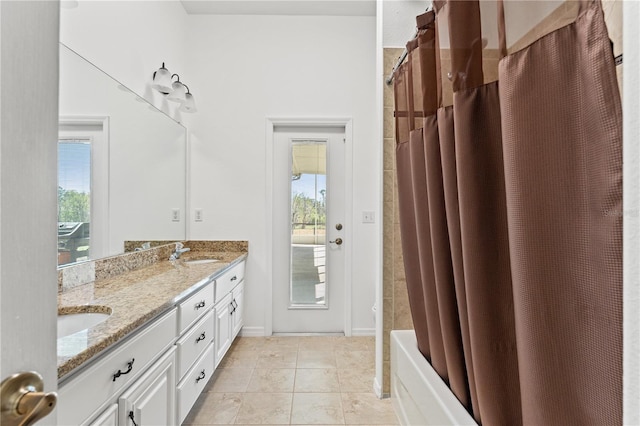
309 230
28 276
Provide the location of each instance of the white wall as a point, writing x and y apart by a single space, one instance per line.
399 21
249 68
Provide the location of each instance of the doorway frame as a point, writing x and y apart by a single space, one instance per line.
271 123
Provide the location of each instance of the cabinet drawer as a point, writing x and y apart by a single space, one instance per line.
194 382
227 281
82 395
191 345
194 307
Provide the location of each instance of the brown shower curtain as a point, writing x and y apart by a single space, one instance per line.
523 201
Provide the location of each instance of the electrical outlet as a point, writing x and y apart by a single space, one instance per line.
197 215
368 217
175 215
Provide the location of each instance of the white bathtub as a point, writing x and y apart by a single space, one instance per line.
418 394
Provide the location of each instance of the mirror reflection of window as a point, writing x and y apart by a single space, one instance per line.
74 200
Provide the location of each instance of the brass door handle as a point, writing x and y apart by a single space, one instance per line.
23 402
337 241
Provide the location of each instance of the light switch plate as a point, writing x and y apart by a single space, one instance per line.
368 217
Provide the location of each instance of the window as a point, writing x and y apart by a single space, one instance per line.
74 200
308 223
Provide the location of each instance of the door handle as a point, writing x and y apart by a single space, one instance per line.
23 401
337 241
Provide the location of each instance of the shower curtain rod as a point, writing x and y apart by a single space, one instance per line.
403 56
399 62
405 52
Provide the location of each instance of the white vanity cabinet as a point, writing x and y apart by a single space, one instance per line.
223 327
195 348
237 303
228 309
151 399
193 383
88 398
155 376
192 309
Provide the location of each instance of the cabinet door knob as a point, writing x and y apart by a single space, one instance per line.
200 305
233 278
201 376
202 337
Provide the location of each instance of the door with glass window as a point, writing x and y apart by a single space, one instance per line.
308 230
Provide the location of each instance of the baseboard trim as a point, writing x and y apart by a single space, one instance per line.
363 331
259 332
377 389
252 331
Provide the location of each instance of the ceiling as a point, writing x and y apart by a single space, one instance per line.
281 7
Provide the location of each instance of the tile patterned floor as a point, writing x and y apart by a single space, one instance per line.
322 380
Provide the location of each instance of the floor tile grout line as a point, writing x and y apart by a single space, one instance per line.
341 392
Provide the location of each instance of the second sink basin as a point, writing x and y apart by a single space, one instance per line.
76 318
199 261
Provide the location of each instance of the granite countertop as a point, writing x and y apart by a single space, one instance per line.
135 298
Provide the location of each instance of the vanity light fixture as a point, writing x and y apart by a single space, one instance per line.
175 91
162 80
189 105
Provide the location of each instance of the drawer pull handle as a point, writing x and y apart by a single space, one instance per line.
201 376
200 305
202 337
233 278
133 420
120 372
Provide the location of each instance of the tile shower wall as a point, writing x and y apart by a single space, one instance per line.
395 300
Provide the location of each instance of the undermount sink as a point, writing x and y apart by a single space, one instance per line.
199 261
76 318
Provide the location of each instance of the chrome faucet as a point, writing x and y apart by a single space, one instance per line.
180 248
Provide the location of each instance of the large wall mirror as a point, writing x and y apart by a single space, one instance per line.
121 166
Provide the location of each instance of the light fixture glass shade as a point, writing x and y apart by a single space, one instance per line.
189 105
178 92
162 80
